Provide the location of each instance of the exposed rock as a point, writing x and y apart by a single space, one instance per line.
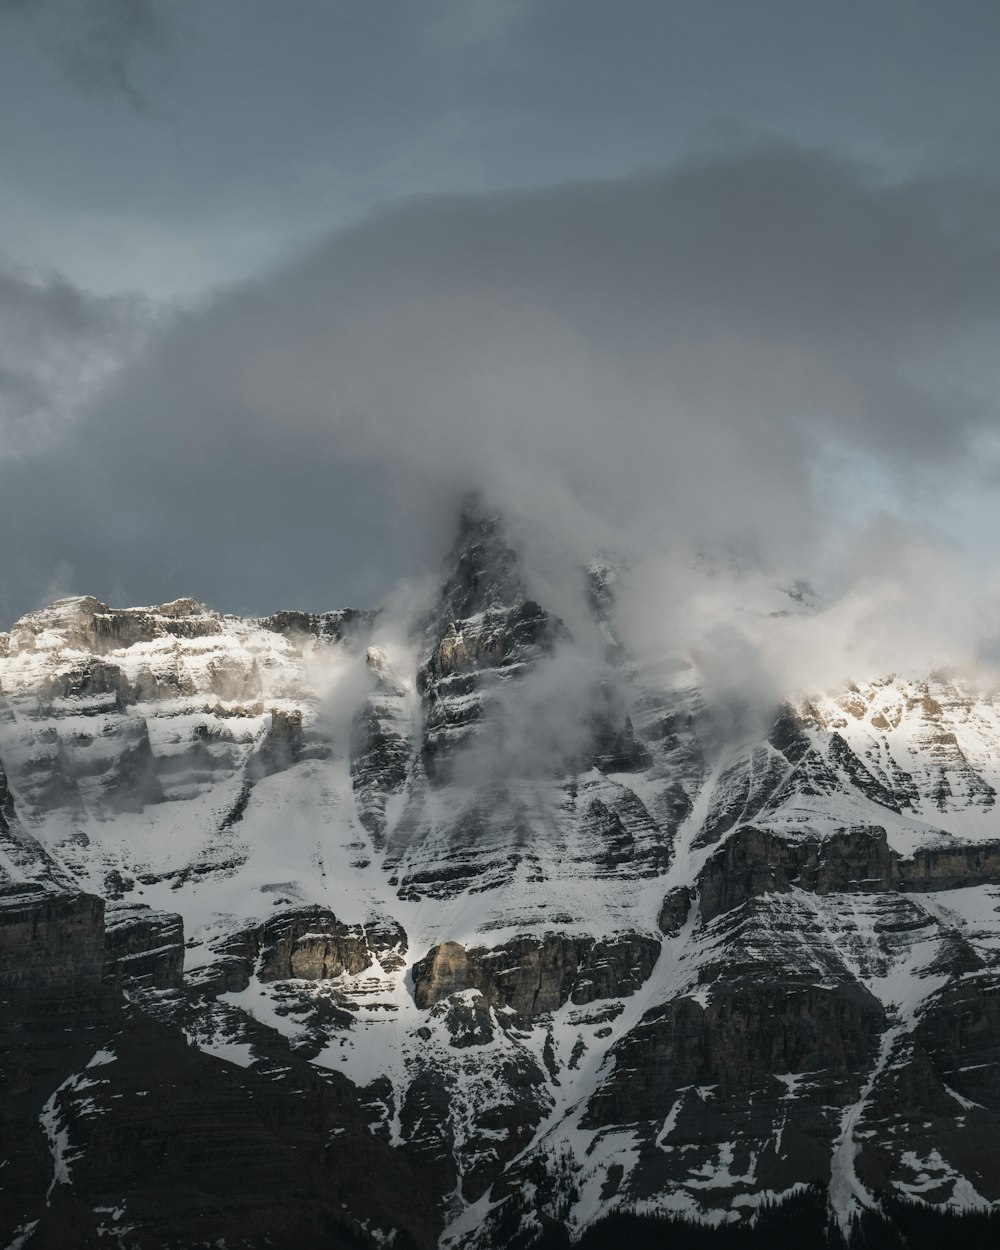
143 946
282 747
50 940
6 803
675 910
381 748
860 777
755 861
484 569
316 946
345 624
615 746
444 971
950 1064
466 661
485 630
757 781
90 625
945 867
533 976
308 943
960 1031
89 679
788 735
750 1030
468 1021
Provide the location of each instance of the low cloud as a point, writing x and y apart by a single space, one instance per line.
898 606
761 354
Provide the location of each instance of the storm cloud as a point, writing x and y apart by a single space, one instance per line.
762 351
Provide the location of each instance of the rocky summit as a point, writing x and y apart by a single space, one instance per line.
341 930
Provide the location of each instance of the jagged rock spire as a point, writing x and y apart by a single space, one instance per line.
483 567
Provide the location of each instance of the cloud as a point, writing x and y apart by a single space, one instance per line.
58 344
457 24
97 43
899 606
685 359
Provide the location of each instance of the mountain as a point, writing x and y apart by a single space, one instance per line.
345 930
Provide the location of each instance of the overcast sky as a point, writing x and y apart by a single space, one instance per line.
280 282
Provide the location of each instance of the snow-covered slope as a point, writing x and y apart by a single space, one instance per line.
572 952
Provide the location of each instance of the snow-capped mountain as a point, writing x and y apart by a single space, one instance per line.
341 930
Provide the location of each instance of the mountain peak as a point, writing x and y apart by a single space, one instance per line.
483 570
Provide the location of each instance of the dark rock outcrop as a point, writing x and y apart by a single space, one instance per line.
107 1109
675 910
50 940
316 946
945 867
755 861
532 976
309 944
143 947
346 624
751 1029
939 1097
485 630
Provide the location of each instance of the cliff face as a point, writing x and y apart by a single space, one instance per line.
331 926
535 976
50 940
143 947
858 860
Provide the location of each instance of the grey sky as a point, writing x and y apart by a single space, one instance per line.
679 272
261 121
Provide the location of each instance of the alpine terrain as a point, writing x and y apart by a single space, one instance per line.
466 931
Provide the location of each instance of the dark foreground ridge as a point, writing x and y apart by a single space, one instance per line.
803 1221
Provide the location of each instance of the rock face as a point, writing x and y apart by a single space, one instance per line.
705 1067
486 632
143 947
675 910
381 745
49 940
316 946
535 976
458 931
348 623
308 944
853 861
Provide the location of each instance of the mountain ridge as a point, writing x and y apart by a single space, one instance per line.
555 949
